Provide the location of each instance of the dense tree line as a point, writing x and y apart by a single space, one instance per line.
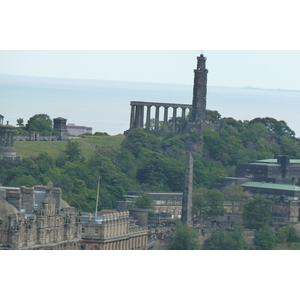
152 161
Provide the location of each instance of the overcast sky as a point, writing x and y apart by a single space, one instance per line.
263 69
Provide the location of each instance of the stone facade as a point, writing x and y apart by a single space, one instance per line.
37 219
166 205
112 230
78 130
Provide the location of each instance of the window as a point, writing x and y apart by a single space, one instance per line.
82 230
82 248
96 248
96 232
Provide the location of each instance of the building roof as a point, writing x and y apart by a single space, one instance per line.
64 204
274 161
264 164
264 185
7 209
60 118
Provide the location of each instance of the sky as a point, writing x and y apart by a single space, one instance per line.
274 69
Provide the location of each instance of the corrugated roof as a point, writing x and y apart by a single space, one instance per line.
264 185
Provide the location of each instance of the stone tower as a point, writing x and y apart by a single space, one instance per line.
188 190
60 125
7 149
200 90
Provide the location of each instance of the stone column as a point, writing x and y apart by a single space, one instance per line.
174 118
186 216
136 117
141 116
156 118
166 115
183 113
132 116
148 117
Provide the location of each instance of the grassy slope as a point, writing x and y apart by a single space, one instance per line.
28 149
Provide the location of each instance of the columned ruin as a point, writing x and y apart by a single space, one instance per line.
137 114
197 121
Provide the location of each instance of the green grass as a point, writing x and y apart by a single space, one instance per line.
29 149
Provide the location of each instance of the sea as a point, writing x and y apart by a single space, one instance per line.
105 105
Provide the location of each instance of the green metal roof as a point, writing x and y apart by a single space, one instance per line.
264 185
260 164
274 160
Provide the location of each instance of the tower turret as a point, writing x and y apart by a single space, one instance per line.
200 90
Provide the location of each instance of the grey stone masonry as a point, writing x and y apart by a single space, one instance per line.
200 90
188 191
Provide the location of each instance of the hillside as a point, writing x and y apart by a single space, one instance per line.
32 149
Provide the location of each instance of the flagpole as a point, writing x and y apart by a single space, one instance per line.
97 197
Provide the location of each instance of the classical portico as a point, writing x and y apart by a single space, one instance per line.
138 113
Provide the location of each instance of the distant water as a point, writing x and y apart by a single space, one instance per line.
105 105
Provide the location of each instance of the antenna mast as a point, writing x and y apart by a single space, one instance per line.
97 197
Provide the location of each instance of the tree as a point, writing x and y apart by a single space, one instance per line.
144 201
286 234
152 169
184 238
212 115
41 123
265 238
222 240
207 202
73 151
138 139
235 197
257 213
20 122
279 128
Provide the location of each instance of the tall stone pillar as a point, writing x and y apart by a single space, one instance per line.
186 217
166 115
141 116
148 117
174 118
183 113
132 116
156 118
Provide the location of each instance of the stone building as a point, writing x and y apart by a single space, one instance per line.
166 205
198 121
59 126
7 150
112 230
275 179
37 219
78 130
